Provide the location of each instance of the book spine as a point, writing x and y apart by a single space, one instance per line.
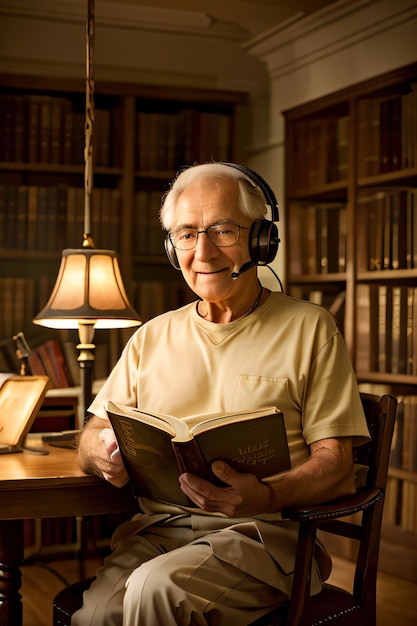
190 459
57 359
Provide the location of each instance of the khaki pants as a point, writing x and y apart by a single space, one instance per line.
192 571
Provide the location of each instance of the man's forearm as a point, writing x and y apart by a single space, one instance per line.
327 474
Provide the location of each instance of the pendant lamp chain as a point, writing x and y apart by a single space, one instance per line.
89 124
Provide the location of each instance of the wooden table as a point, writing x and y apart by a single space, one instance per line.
37 486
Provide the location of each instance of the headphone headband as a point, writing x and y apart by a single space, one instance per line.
263 186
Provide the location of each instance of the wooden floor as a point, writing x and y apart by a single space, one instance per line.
397 599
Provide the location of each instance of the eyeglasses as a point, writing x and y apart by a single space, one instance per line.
220 235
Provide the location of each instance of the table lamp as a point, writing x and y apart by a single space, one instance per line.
89 291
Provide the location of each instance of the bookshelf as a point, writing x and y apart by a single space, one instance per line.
351 232
142 136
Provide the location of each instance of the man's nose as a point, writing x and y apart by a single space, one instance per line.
204 245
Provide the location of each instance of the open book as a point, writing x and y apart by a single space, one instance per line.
157 448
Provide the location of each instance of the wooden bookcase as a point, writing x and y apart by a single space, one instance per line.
142 136
351 244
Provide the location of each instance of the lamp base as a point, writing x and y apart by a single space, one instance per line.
86 358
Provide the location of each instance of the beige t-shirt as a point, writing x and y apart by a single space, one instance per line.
288 353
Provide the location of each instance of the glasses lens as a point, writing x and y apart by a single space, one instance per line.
184 239
221 235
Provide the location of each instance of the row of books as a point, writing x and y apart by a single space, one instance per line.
387 133
17 303
48 359
152 297
401 496
386 329
400 507
46 129
404 443
318 234
320 149
169 140
333 301
387 229
148 235
52 218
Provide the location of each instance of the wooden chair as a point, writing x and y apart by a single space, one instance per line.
332 604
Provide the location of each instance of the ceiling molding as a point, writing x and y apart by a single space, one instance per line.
284 49
126 16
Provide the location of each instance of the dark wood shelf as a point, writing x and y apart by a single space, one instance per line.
352 139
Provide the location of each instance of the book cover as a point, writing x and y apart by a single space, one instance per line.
57 360
22 397
157 448
52 358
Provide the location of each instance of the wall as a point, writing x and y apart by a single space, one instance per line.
343 44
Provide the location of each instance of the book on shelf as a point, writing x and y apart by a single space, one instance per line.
386 130
336 130
363 329
16 302
409 506
384 328
401 495
319 238
397 443
399 330
168 139
157 448
387 230
45 129
6 127
48 359
391 515
408 450
148 233
321 152
50 218
386 333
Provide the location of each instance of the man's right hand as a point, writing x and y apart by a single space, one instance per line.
98 452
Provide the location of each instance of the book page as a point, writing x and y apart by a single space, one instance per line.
202 423
167 423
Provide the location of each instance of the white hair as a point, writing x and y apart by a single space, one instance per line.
251 200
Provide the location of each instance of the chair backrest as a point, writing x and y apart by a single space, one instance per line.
380 414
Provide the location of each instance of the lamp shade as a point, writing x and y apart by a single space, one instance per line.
89 288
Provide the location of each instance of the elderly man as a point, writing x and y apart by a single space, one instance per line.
237 347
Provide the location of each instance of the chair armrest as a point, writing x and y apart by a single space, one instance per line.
348 505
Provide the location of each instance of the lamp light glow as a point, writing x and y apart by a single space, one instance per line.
89 287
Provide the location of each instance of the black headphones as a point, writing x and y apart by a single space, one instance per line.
263 236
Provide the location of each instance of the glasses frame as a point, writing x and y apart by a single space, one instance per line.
206 232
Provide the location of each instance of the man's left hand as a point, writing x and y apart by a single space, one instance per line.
244 495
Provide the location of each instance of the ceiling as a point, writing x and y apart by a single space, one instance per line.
252 16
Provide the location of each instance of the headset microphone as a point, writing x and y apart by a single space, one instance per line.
245 267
